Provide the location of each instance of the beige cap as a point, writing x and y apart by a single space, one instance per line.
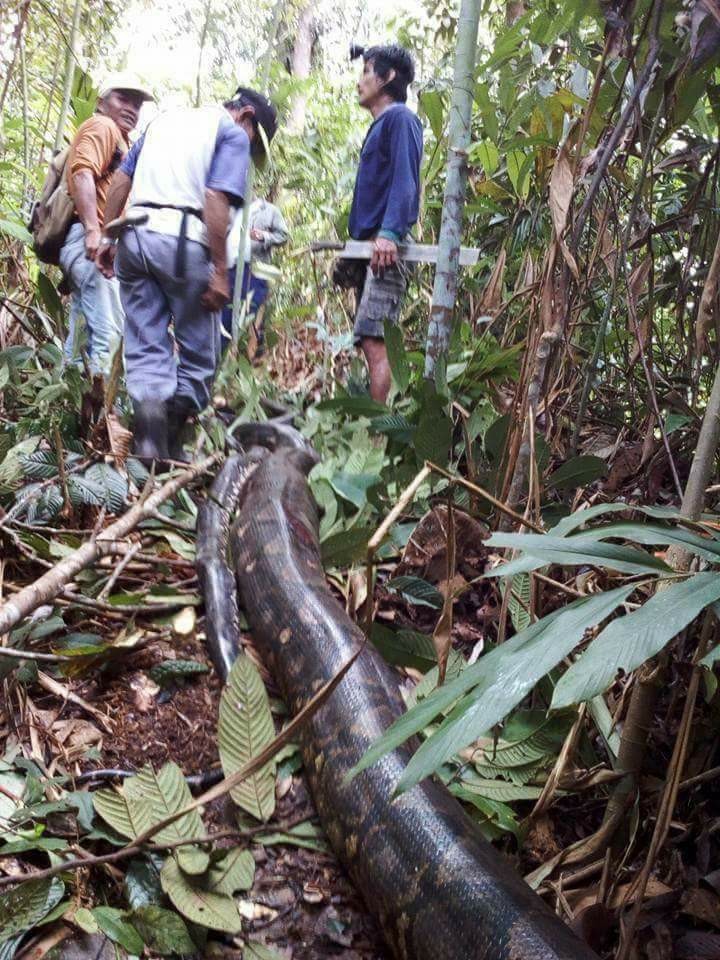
124 81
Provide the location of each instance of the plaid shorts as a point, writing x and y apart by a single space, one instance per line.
379 299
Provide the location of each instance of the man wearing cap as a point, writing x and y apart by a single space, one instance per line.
95 153
183 175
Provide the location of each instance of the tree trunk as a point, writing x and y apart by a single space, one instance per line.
446 273
70 58
300 65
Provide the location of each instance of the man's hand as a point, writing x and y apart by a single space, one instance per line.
385 254
218 291
92 242
105 259
257 235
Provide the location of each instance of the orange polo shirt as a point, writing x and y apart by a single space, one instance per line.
99 146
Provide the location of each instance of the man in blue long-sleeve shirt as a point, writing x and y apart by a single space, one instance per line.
386 200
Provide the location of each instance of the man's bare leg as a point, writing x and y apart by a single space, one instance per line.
378 367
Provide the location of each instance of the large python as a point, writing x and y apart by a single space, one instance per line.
439 890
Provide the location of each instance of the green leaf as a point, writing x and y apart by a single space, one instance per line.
405 648
163 931
114 924
577 472
395 426
631 640
518 173
578 551
653 534
354 486
397 356
498 681
142 884
49 296
346 547
432 437
355 406
15 230
499 789
416 590
245 727
113 485
306 835
167 673
519 601
431 104
85 492
24 906
40 465
168 793
234 871
213 910
497 813
486 154
129 815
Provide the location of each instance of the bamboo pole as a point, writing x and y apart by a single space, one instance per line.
459 132
70 59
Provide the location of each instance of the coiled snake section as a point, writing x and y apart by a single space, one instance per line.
438 889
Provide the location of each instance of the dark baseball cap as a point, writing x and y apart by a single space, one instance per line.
265 117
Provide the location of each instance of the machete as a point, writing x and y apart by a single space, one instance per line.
413 252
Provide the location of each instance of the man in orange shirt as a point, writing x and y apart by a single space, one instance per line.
97 150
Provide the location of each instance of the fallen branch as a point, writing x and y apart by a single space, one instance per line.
52 583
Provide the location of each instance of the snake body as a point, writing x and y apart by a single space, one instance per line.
438 889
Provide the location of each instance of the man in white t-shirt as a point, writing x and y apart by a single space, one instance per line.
184 174
267 230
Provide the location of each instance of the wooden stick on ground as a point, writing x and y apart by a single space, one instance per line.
50 584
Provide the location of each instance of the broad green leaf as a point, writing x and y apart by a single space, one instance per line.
405 648
397 356
510 673
355 406
416 590
15 230
163 931
168 793
579 551
631 640
528 742
393 425
431 104
129 815
234 871
432 436
499 789
213 910
498 681
117 927
516 169
306 835
496 812
346 547
711 658
486 154
24 906
112 483
519 601
577 472
245 726
354 486
49 296
652 534
142 884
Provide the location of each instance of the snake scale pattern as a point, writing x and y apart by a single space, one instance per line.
439 890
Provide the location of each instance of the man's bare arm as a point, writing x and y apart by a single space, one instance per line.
217 215
118 193
85 196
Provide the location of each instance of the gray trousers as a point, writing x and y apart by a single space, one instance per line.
153 297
